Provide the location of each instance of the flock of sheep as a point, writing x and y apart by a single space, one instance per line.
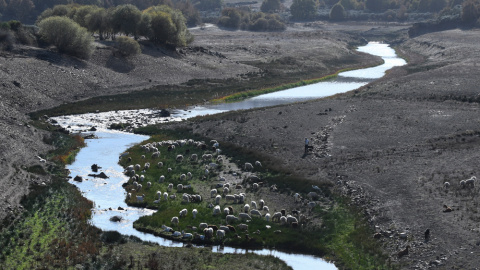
466 183
211 162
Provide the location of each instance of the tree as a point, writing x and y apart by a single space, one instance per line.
376 5
270 5
21 9
98 21
128 46
337 13
303 9
125 19
189 12
167 25
470 12
231 18
81 13
67 36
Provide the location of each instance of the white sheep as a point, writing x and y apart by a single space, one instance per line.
226 211
189 175
183 212
217 199
246 208
261 203
283 220
244 216
137 167
226 190
265 208
173 196
254 204
216 210
179 158
230 198
142 156
142 177
208 233
311 204
174 221
203 226
224 228
155 155
160 164
139 187
471 181
179 187
129 195
267 217
186 198
161 179
255 186
183 177
230 218
170 187
248 166
206 171
258 164
463 183
176 234
149 184
255 212
242 227
186 235
159 195
194 157
221 178
169 170
291 219
194 213
297 197
446 185
213 193
165 196
276 216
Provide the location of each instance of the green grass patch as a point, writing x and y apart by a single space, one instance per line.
340 234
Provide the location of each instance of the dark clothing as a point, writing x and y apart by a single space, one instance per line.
306 145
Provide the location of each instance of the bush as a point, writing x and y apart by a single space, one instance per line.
303 9
67 36
128 46
270 5
337 13
6 40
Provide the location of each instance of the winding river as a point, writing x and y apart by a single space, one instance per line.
108 194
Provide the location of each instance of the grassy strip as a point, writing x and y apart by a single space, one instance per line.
251 93
343 235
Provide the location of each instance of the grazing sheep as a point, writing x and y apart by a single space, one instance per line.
159 195
244 216
446 185
161 179
139 187
311 204
166 228
216 210
283 212
283 220
135 184
186 198
179 158
226 211
219 158
231 218
206 171
224 228
189 175
261 203
174 221
471 181
255 212
187 235
169 169
194 157
183 177
179 187
149 184
463 183
297 197
176 234
142 177
170 187
183 212
173 196
226 190
291 219
146 166
294 224
230 198
242 198
129 195
276 216
220 234
213 193
231 228
255 186
165 196
254 205
312 195
258 164
267 217
155 155
246 208
213 227
208 233
137 167
265 208
248 166
130 168
160 164
194 213
217 199
203 226
242 227
221 178
197 198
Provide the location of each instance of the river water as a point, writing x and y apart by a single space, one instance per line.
108 194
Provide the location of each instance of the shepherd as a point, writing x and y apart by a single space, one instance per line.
306 145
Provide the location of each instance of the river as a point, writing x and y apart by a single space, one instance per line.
108 194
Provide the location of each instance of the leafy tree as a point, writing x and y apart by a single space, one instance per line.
231 18
303 9
275 24
125 19
21 9
348 4
337 13
189 12
167 25
67 36
60 10
128 46
98 21
82 12
270 5
260 24
470 12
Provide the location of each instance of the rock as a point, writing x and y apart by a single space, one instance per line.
120 208
116 219
78 178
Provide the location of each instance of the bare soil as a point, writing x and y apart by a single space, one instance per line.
390 146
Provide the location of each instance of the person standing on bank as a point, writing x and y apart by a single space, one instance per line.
306 145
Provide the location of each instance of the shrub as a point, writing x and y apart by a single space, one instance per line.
128 46
270 5
67 36
303 9
231 18
337 13
6 40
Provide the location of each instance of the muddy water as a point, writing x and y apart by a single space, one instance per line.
108 194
